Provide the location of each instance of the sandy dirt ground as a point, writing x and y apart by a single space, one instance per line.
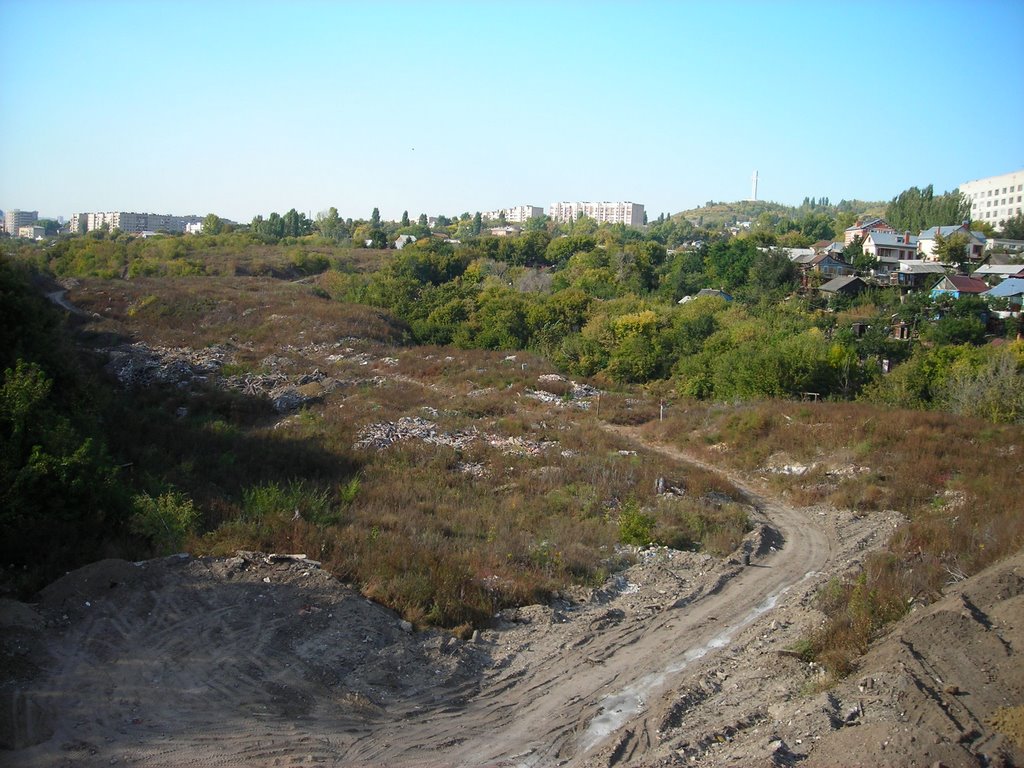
682 659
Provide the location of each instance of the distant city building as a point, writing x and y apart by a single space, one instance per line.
135 223
505 231
996 198
630 214
15 220
516 215
31 232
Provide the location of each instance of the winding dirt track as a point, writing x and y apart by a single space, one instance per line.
215 664
569 705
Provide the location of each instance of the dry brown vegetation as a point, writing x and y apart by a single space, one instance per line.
957 480
446 535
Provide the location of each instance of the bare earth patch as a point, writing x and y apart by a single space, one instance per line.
680 659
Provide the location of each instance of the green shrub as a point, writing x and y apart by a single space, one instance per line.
166 520
635 527
272 504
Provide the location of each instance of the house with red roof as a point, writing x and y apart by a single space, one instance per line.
958 286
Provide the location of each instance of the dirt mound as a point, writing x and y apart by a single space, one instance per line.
944 684
681 658
944 687
134 662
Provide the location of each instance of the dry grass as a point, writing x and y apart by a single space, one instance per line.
201 311
958 481
445 536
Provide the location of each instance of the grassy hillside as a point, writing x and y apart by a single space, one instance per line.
723 214
233 412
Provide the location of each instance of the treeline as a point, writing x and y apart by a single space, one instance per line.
611 311
121 255
62 502
915 210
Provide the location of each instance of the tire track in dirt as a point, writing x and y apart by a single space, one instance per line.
570 704
203 663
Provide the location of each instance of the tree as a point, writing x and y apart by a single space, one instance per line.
984 227
853 254
536 224
478 224
375 219
1013 228
422 221
296 224
330 225
917 209
727 264
405 218
773 270
952 249
213 224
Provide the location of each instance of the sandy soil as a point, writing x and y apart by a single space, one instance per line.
681 659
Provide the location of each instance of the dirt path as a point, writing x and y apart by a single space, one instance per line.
60 299
250 662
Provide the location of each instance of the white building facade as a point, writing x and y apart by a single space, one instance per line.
15 219
516 215
996 198
630 214
129 221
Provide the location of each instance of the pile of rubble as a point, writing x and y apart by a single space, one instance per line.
575 395
138 365
385 434
282 390
382 435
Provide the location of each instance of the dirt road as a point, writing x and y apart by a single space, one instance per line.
250 662
574 699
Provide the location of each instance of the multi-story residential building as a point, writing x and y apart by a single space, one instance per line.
630 214
31 232
516 215
865 226
926 241
996 198
15 219
889 249
132 222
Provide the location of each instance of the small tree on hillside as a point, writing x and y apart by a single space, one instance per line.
952 249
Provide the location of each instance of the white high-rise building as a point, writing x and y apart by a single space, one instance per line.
131 222
516 215
14 218
630 214
996 198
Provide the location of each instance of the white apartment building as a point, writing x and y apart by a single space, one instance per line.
15 219
32 232
996 198
129 221
517 215
630 214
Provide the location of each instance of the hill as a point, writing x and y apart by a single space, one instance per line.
721 214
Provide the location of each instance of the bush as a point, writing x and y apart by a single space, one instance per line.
166 520
634 526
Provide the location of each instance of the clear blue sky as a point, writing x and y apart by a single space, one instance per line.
441 107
